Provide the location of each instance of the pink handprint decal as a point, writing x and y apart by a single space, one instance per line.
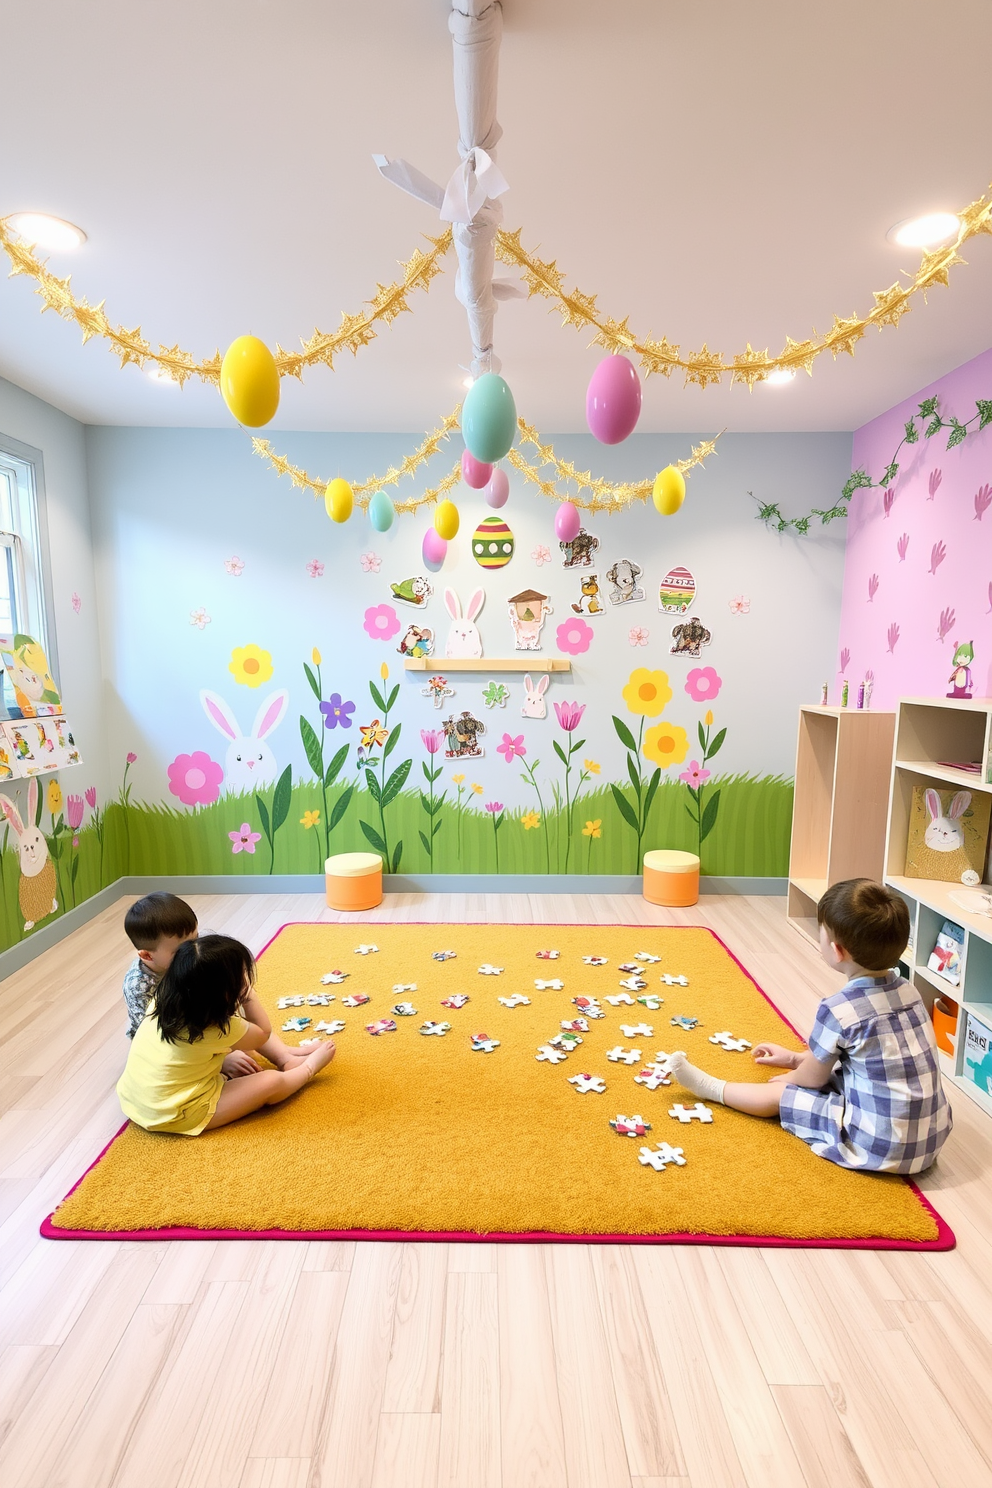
945 624
934 483
937 555
887 499
872 587
845 657
983 500
893 636
902 546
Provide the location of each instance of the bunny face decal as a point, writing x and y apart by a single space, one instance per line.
463 637
250 762
36 891
535 703
943 833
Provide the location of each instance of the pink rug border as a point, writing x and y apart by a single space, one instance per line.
945 1238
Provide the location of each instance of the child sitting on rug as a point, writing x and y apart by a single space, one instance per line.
157 926
868 1093
204 1012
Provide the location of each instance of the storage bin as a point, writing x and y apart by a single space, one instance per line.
353 881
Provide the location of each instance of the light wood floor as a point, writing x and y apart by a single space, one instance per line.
322 1365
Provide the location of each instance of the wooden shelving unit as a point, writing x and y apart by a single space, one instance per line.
929 730
843 763
529 662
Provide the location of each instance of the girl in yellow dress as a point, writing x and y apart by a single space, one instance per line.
190 1068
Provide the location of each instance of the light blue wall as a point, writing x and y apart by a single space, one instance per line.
169 506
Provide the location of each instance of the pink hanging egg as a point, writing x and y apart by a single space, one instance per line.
475 473
613 400
434 549
567 521
498 489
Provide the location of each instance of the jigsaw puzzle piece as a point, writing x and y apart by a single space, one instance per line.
548 1054
365 950
548 955
443 955
686 1024
404 1010
320 999
517 1000
456 1000
630 1126
595 960
334 1026
674 981
660 1157
431 1027
637 1030
651 1076
296 1025
334 978
288 1002
381 1025
483 1044
589 1007
727 1041
576 1025
587 1084
622 999
554 985
359 1000
488 970
618 1055
698 1112
647 958
652 1002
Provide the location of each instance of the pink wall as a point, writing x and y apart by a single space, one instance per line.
918 567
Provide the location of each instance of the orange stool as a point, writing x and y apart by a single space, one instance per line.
671 878
354 881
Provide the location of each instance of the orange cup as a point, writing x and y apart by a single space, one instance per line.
353 881
671 878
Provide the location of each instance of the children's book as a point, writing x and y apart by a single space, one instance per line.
948 835
945 958
36 746
27 667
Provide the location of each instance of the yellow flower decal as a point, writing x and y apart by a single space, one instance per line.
54 797
530 819
647 692
666 744
309 819
591 766
373 733
384 672
477 789
458 779
315 656
250 665
592 828
708 720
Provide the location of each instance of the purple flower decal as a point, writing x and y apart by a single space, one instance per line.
381 622
845 659
511 747
244 839
887 499
569 715
983 500
194 778
336 712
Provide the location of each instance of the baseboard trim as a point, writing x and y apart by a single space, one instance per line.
47 936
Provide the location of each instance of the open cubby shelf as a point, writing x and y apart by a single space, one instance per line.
928 731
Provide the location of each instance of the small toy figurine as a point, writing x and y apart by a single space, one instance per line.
960 678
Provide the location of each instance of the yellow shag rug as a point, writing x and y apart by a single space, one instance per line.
410 1134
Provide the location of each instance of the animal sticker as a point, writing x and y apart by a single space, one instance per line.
677 592
579 550
623 577
589 602
464 640
416 591
438 689
528 611
535 703
418 641
250 762
689 637
37 889
462 736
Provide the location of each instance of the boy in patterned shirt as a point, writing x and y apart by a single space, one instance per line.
868 1093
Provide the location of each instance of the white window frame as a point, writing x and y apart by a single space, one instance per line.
24 535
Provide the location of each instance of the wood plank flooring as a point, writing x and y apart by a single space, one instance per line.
341 1365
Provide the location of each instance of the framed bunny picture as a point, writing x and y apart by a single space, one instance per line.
948 835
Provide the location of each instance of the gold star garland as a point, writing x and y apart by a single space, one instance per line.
606 496
354 331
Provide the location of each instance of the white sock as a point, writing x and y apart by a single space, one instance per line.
707 1087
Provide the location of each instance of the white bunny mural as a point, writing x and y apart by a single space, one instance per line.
464 639
250 763
37 890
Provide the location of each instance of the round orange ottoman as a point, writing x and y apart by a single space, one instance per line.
353 880
671 878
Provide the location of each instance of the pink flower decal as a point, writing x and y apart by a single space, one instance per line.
845 658
570 715
494 807
694 774
541 554
945 624
91 797
235 566
703 684
511 747
574 636
381 622
739 605
371 562
194 778
638 636
244 839
432 739
132 759
77 603
315 568
199 618
887 499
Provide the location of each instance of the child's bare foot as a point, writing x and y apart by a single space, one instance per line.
293 1057
321 1055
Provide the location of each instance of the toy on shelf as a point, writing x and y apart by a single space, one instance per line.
587 1084
630 1126
960 681
727 1041
698 1112
661 1157
945 958
951 844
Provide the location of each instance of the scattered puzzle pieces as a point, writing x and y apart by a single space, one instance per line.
652 1002
439 1028
483 1044
698 1112
456 1000
577 1025
555 985
381 1025
517 1000
628 967
365 950
548 955
637 1030
288 1002
630 1126
334 1026
622 999
334 978
664 1061
402 987
660 1157
634 984
404 1010
443 955
487 970
320 999
686 1024
619 1055
296 1025
727 1041
589 1006
359 1000
550 1055
653 1075
595 960
587 1084
566 1040
647 958
674 981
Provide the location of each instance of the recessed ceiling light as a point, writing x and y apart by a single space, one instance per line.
47 232
924 232
780 376
159 374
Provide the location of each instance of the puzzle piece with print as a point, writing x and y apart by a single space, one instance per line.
727 1041
334 978
629 967
661 1156
595 960
554 985
548 955
402 987
486 969
674 981
622 999
587 1084
548 1054
698 1112
483 1044
567 1040
404 1010
288 1002
686 1024
646 958
334 1026
619 1055
653 1075
365 950
630 1126
431 1027
359 1000
443 955
589 1007
320 999
517 1000
575 1025
637 1030
634 984
456 1000
381 1025
296 1025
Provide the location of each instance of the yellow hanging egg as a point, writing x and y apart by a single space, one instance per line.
446 520
339 500
669 491
249 381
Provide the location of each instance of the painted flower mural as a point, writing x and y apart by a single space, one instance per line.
371 563
638 636
511 747
199 618
337 713
195 778
703 684
250 666
315 568
647 692
381 622
235 566
574 636
666 744
694 774
244 839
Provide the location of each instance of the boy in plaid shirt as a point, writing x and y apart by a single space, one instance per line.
868 1093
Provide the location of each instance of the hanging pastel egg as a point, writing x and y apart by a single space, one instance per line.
381 512
446 520
249 381
498 489
567 521
433 549
677 591
339 500
613 400
474 472
669 490
492 543
489 418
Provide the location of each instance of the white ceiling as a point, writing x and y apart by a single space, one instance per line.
721 171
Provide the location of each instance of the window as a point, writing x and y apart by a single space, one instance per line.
23 586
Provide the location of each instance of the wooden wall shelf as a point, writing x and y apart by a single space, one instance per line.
528 663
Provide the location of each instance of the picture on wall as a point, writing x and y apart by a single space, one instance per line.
948 835
27 667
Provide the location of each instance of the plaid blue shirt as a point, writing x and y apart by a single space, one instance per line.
884 1109
139 984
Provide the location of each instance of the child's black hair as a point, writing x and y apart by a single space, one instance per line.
156 915
867 919
203 988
